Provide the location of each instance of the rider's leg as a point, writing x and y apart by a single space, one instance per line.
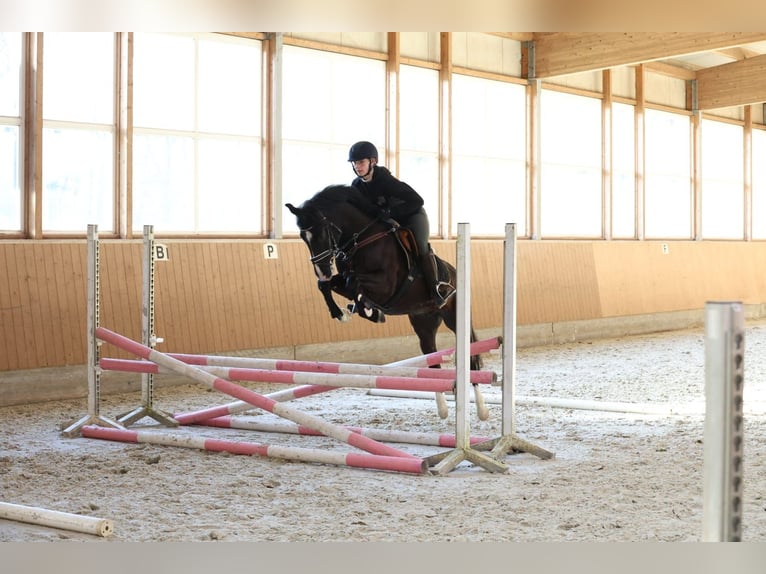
427 259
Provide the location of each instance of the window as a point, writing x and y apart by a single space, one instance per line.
571 203
330 101
668 191
488 155
723 197
419 136
759 184
78 131
10 130
197 134
623 171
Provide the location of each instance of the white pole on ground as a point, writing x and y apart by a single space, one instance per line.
724 380
56 519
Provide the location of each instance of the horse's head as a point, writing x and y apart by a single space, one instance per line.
320 236
328 222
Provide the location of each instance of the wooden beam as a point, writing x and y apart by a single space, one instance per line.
671 70
33 135
518 36
606 155
735 84
640 150
564 53
739 53
445 136
392 103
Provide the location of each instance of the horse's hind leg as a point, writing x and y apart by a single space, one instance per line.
425 327
450 320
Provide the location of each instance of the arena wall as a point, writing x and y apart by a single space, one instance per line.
225 296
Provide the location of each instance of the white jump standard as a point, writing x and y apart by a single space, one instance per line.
94 372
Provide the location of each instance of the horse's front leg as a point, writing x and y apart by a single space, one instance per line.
336 312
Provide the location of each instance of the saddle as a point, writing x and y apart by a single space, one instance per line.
409 245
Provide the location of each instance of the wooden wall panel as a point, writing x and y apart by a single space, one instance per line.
638 278
39 309
557 282
486 281
120 289
224 296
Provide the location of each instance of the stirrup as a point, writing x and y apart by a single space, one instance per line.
442 298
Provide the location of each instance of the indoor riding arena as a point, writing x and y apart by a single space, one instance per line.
170 371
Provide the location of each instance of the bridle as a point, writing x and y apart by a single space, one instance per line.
332 249
347 250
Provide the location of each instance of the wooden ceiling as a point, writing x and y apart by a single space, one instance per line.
728 67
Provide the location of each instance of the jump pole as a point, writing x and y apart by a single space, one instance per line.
57 519
247 395
307 390
321 368
574 404
93 286
408 437
407 464
438 357
723 439
292 377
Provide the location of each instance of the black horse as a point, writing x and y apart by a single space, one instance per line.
369 260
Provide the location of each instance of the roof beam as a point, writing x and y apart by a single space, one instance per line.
563 53
735 84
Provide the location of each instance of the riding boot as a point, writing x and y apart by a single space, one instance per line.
442 291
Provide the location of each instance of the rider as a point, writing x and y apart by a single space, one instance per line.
398 201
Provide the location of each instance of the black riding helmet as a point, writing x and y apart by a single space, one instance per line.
362 150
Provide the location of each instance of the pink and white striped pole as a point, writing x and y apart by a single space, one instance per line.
241 406
410 464
438 357
386 435
294 377
420 363
247 395
480 377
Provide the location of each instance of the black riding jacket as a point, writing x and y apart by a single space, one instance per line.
388 193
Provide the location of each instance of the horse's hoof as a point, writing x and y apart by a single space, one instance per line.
441 406
345 316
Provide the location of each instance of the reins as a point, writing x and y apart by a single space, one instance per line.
350 247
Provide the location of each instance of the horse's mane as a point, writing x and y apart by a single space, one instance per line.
328 199
334 194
